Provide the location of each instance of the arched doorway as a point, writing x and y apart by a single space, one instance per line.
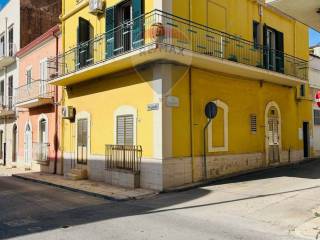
273 133
14 143
28 146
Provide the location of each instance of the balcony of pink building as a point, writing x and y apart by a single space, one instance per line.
35 94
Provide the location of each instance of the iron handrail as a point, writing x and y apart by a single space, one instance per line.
195 37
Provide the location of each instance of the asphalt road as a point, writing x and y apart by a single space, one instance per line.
263 206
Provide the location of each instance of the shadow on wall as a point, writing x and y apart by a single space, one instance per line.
138 75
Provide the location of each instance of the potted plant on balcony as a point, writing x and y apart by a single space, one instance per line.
157 31
233 58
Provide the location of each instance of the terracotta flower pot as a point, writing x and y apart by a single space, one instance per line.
157 31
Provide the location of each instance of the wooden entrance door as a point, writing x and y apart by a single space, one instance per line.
82 141
273 136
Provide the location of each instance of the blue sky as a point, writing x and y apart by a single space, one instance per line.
314 37
3 2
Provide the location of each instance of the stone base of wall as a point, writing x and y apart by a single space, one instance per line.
150 175
122 178
157 174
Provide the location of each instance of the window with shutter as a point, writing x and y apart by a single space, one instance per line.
125 130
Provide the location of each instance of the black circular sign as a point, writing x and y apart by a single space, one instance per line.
211 110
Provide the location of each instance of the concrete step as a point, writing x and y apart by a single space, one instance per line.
77 174
74 177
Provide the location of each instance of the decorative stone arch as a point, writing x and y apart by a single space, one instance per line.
125 110
79 116
225 147
269 107
40 118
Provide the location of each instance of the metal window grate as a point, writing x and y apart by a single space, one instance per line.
253 123
316 116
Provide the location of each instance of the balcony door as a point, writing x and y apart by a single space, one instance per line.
273 49
123 37
124 27
10 42
43 77
82 141
2 45
85 46
10 93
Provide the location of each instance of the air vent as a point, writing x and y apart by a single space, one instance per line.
253 123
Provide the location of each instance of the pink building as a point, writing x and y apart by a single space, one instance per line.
38 124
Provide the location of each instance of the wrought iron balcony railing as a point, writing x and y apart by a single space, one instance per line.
9 50
33 90
164 29
6 103
125 157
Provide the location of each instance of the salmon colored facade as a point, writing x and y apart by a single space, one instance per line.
38 126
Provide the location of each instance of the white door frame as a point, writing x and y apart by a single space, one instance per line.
270 105
28 145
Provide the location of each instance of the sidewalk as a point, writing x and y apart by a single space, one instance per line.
98 189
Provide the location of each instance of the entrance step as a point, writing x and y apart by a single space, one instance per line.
77 174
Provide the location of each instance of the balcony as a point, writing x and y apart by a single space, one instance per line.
35 94
7 107
302 10
7 55
161 36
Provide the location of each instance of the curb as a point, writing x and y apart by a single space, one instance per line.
226 178
106 197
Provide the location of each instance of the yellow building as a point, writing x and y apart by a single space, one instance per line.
138 74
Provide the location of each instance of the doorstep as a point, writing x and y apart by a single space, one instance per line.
93 188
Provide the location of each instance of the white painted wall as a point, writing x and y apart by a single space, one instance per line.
10 17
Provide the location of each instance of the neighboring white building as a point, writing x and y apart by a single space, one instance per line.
9 45
314 79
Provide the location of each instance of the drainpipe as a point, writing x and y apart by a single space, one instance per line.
191 125
56 109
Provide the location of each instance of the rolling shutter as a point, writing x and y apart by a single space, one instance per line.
110 18
125 130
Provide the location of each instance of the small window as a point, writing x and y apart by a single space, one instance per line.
125 130
253 123
302 90
316 117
